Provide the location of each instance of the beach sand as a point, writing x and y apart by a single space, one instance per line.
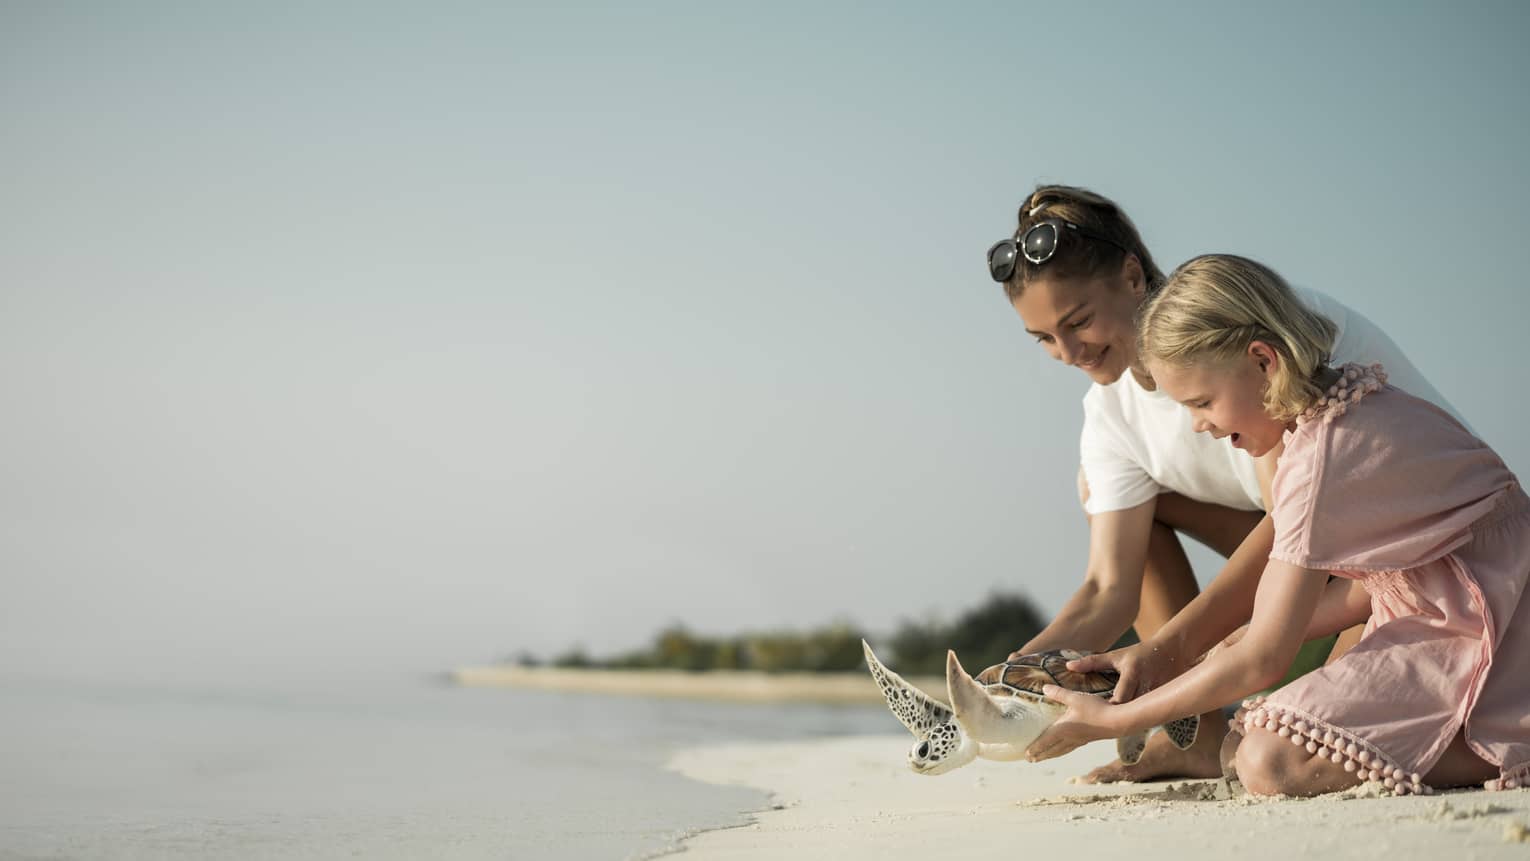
853 798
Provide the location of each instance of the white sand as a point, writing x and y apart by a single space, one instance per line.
854 798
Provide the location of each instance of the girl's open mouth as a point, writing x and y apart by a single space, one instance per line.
1235 439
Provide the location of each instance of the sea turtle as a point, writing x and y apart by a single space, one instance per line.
998 714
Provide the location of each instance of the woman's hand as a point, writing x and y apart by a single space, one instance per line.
1088 718
1142 667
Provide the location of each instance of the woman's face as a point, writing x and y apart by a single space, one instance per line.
1225 400
1087 323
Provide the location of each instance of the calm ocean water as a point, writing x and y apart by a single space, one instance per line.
409 769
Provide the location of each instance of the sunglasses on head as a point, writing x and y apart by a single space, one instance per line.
1037 244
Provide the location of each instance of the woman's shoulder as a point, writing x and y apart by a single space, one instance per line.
1114 399
1360 340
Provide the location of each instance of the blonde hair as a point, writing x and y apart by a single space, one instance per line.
1079 256
1212 307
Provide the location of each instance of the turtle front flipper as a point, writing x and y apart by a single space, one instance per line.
1183 731
1130 747
912 707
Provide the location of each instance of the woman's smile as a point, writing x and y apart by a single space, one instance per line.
1095 362
1081 322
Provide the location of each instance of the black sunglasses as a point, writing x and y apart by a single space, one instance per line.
1037 244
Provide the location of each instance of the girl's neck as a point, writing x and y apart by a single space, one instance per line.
1326 377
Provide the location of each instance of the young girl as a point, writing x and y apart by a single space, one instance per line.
1377 487
1076 271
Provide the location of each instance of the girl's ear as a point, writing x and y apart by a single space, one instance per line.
1265 357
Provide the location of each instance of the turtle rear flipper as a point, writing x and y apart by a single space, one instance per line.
913 708
1130 747
1183 731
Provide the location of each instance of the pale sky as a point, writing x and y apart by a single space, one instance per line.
359 338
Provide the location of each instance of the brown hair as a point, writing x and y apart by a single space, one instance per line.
1080 256
1215 305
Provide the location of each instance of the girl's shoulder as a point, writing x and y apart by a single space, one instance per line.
1374 478
1363 428
1354 384
1361 409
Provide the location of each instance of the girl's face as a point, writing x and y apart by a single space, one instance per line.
1086 323
1227 400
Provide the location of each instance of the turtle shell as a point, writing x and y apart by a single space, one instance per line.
1026 675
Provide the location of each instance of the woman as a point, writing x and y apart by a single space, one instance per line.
1076 271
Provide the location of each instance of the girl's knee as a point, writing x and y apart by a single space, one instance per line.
1268 764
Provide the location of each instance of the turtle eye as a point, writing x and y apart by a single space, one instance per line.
924 750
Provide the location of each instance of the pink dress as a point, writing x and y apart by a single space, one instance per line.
1393 492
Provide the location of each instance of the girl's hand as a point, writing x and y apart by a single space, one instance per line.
1087 719
1142 668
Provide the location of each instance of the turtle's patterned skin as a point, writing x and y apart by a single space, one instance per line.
1026 675
911 706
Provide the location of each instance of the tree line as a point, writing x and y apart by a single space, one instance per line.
987 632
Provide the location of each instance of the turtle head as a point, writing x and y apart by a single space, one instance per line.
946 748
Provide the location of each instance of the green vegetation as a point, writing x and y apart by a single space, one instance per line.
982 635
986 633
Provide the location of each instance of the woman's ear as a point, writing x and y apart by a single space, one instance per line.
1133 276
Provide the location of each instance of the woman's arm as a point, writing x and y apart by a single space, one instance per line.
1224 605
1105 606
1287 598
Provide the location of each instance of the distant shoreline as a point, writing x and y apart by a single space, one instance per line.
725 685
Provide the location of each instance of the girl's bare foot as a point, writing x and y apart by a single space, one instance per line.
1162 760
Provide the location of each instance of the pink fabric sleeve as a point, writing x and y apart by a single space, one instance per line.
1392 483
1292 500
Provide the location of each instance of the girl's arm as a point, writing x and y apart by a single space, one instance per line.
1218 611
1228 601
1106 604
1345 603
1222 608
1224 605
1287 598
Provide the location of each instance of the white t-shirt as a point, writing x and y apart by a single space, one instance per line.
1137 444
